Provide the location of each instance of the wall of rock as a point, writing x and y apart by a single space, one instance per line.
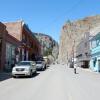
72 33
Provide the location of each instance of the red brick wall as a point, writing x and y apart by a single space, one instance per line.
7 36
14 29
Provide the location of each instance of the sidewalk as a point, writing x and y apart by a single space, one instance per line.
88 70
4 76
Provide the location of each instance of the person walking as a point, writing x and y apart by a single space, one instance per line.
75 68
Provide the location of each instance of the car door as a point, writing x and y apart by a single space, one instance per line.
31 67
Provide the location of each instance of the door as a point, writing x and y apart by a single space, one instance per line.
98 65
86 64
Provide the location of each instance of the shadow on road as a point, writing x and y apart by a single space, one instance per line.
4 76
26 77
36 74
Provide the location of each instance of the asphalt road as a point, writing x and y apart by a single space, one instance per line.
56 83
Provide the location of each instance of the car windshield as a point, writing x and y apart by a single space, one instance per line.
23 63
38 62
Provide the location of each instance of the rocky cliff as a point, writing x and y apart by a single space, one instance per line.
48 44
72 33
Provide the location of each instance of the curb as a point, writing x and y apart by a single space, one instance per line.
89 70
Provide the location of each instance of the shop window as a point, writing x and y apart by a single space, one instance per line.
98 42
10 55
99 64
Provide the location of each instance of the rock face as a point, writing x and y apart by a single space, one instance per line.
72 33
48 44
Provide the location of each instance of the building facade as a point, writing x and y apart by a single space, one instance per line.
30 47
8 44
95 53
83 52
17 43
74 30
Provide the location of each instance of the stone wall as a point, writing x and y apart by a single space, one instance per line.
48 43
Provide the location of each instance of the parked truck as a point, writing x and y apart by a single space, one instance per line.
46 59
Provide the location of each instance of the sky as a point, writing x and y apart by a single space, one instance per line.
47 16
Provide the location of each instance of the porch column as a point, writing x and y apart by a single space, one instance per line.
27 55
22 54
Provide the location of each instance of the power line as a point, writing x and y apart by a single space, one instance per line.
68 11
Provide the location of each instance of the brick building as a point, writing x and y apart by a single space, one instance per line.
17 43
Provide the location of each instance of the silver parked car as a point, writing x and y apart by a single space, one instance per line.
40 65
24 68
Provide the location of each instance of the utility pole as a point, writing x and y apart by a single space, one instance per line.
73 51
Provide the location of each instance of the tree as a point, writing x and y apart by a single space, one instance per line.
48 52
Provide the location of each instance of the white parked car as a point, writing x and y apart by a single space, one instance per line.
24 68
40 65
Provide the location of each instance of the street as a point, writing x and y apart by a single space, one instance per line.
58 82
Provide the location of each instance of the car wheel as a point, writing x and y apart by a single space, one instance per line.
31 73
43 68
35 72
14 76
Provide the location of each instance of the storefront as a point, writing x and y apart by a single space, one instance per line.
17 43
8 46
10 56
95 53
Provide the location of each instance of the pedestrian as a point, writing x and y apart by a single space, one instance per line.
74 68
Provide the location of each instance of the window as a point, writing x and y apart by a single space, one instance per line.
85 44
93 44
23 37
98 42
24 63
